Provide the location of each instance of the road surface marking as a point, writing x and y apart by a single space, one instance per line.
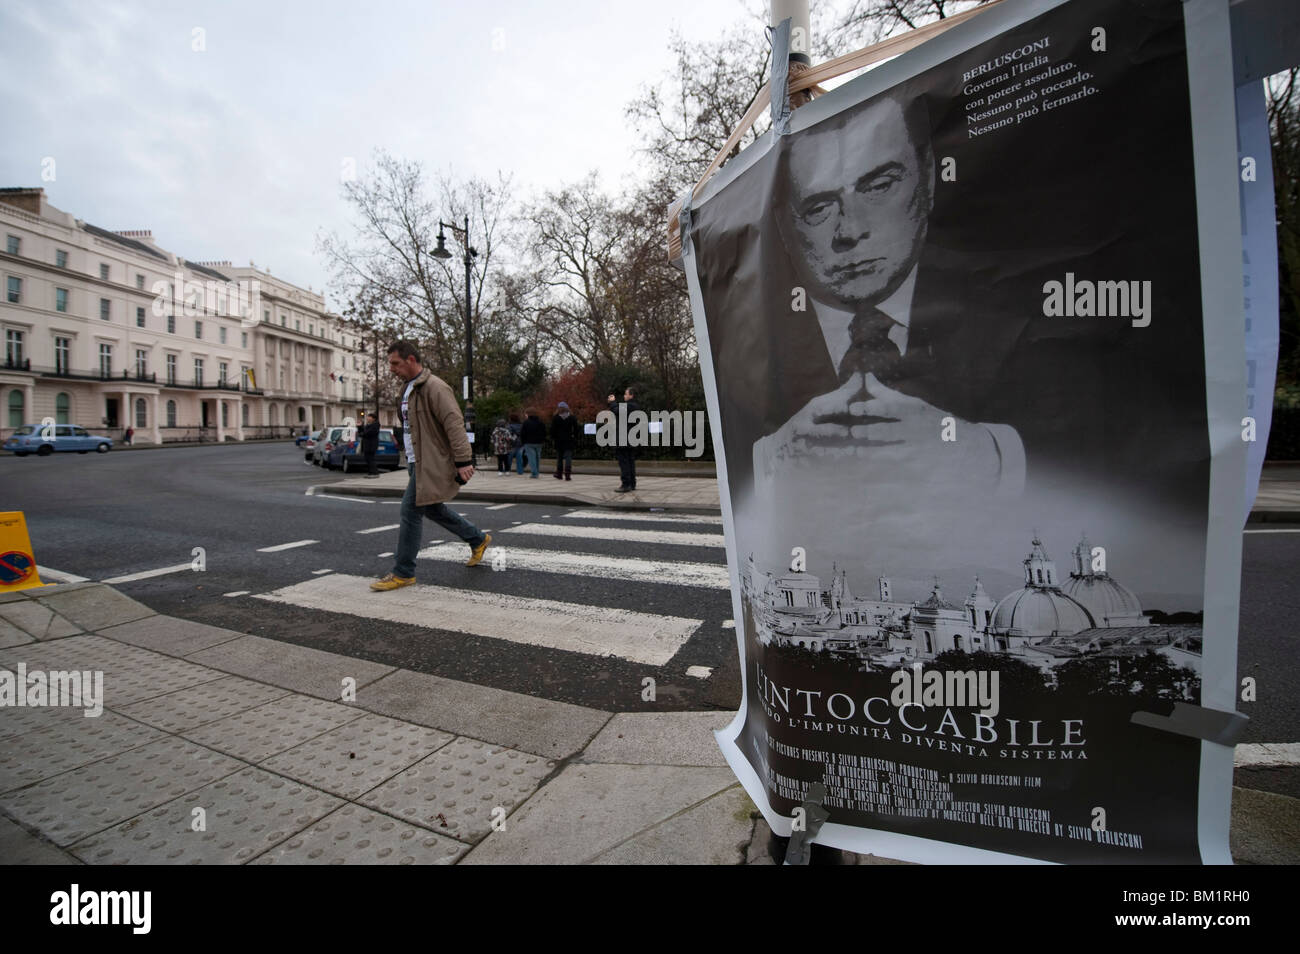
647 517
287 546
1279 530
700 672
148 574
369 500
1267 754
668 572
388 554
320 572
638 637
58 576
728 624
618 533
391 526
236 593
500 506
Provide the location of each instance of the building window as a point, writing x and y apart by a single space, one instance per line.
14 348
12 244
16 409
297 324
171 324
62 350
15 286
62 404
141 411
243 414
105 360
103 271
60 258
141 362
139 317
198 329
60 299
105 308
266 315
243 339
221 371
221 335
282 320
171 369
139 280
225 414
198 371
311 329
171 413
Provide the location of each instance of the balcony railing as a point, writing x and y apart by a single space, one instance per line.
22 364
145 377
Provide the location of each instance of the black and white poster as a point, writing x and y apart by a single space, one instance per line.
968 377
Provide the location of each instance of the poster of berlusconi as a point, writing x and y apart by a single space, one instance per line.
954 328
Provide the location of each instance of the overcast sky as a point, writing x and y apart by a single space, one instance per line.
235 152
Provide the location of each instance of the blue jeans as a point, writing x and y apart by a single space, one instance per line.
517 456
534 454
408 537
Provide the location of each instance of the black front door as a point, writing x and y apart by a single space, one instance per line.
110 411
204 406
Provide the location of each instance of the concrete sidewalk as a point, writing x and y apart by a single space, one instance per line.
1278 500
219 747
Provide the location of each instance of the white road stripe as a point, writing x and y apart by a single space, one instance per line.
1266 754
287 546
637 637
699 672
58 576
620 534
388 554
320 572
149 574
342 497
647 517
500 506
1279 530
391 526
236 593
669 572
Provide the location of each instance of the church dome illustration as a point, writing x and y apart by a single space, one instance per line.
1040 609
1107 600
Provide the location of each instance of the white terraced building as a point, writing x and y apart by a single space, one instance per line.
108 330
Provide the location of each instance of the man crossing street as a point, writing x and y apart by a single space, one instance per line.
438 462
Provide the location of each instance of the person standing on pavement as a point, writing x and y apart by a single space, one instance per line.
370 444
517 446
503 443
626 453
438 462
564 434
533 435
129 435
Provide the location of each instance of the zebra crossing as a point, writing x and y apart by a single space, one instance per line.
680 556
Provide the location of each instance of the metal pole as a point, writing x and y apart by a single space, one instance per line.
800 40
469 321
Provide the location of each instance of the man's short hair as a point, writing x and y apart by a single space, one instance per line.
373 416
630 390
405 349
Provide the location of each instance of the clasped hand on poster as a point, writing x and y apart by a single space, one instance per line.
890 436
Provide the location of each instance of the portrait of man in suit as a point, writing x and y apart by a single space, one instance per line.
853 200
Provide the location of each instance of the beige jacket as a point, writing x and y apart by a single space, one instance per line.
437 437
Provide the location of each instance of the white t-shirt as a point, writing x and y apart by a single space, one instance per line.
406 424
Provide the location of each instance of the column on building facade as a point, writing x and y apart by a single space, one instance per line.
155 405
218 408
239 419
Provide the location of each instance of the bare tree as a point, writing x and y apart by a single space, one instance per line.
388 268
1282 93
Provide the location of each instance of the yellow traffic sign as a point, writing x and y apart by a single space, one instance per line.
17 560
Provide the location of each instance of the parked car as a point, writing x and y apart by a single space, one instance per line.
324 444
66 437
303 438
347 451
309 445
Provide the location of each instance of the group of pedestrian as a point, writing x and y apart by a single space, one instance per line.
517 444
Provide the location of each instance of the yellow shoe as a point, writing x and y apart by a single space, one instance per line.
390 582
477 556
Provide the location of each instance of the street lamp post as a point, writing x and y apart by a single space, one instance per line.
470 254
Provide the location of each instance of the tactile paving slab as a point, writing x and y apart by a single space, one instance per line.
95 606
356 757
358 836
269 729
39 621
67 744
208 702
18 720
244 815
89 799
11 635
454 790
